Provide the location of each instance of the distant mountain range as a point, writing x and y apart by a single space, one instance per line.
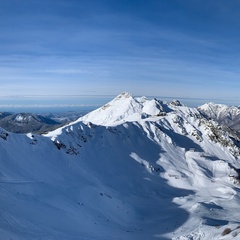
35 123
27 122
224 115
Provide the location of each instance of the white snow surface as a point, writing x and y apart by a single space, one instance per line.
123 108
228 116
123 171
221 112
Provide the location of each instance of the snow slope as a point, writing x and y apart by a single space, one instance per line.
133 169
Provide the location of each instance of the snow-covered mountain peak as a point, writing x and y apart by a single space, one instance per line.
223 114
213 107
218 108
124 95
124 108
177 103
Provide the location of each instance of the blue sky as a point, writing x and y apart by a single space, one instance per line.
179 48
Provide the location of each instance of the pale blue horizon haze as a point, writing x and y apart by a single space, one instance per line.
55 52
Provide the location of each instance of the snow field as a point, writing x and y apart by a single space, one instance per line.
133 169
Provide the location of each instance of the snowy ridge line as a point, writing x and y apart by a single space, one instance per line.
132 169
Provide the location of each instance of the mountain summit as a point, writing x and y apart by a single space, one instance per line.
125 108
132 169
225 115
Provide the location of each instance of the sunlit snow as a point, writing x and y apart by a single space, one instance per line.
132 169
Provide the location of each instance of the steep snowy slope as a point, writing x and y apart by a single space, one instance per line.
134 169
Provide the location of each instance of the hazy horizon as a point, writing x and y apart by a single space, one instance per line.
48 104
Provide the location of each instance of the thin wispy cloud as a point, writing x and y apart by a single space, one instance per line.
162 47
66 71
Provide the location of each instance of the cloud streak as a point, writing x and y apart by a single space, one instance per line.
163 48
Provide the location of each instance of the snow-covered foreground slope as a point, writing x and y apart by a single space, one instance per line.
133 169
